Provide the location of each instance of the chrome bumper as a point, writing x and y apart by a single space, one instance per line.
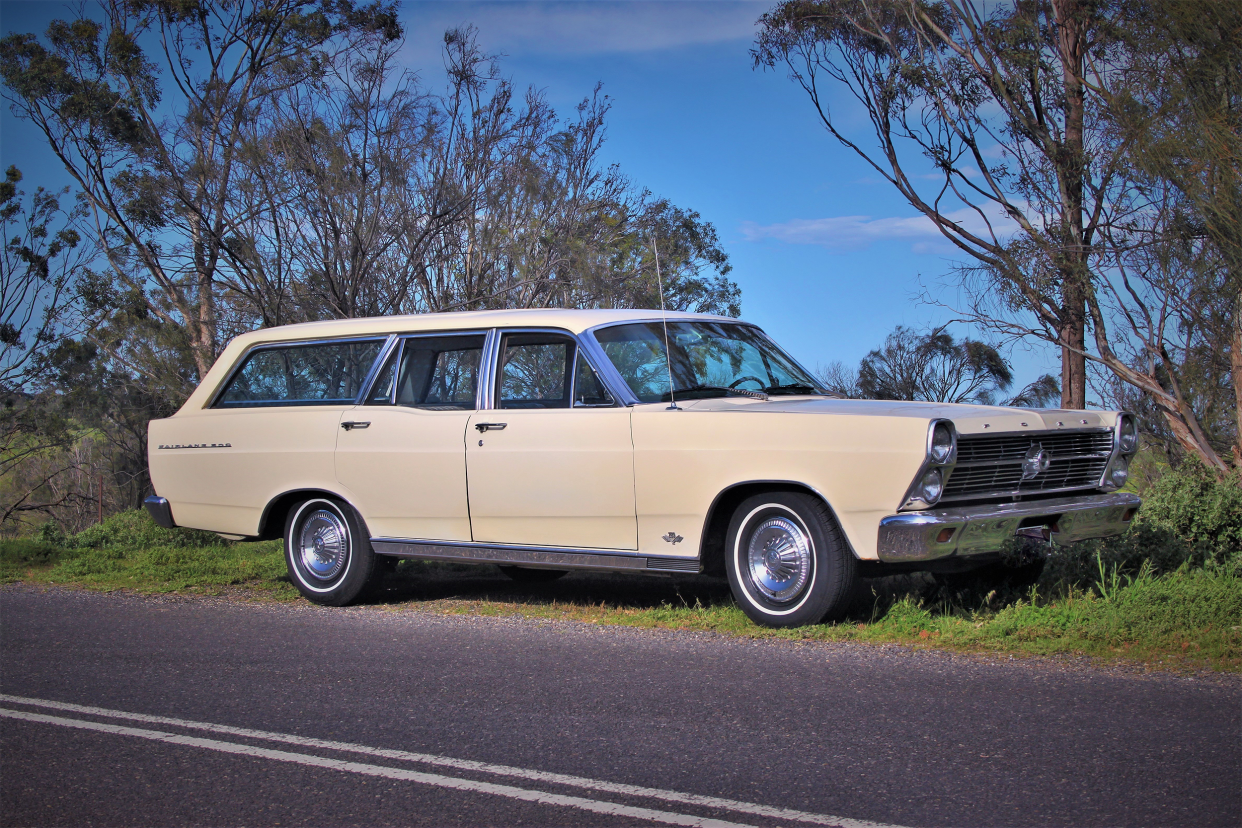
160 511
976 530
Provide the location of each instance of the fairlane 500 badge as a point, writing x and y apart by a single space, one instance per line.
197 445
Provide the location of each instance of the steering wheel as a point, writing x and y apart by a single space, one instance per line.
741 380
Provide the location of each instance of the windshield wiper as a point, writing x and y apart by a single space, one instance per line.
791 388
701 392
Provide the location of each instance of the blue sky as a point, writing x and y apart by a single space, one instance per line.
828 255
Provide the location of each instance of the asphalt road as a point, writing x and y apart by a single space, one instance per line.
144 711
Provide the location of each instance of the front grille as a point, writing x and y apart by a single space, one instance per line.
991 465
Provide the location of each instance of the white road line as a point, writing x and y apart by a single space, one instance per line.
540 797
736 806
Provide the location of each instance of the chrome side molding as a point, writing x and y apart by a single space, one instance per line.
538 557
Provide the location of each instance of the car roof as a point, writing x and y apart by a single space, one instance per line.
575 321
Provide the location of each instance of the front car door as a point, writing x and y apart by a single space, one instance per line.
401 455
551 462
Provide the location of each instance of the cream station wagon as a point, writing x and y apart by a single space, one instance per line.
554 440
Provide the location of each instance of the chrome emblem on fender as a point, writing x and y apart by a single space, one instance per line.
673 538
1036 462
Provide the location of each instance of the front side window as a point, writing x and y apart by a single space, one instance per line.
534 371
707 359
329 373
440 373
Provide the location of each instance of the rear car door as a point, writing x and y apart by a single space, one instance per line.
401 454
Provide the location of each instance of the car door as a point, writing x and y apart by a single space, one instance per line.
401 455
551 463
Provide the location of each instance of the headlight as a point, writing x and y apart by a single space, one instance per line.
1119 473
931 486
1127 435
942 443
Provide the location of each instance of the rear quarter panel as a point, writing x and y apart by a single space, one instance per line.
219 468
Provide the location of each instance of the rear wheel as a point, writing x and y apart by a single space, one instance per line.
525 575
787 562
328 551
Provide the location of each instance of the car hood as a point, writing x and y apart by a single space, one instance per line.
968 419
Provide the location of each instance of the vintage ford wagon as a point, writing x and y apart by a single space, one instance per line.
548 440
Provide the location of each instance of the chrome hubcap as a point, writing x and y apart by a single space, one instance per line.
324 545
779 558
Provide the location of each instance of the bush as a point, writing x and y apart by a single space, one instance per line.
1190 517
136 530
1200 509
26 552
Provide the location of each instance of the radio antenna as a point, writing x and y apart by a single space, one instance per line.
668 358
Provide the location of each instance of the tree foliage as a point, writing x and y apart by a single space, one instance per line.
1018 130
932 366
248 163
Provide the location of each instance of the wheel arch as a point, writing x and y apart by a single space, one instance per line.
272 521
716 523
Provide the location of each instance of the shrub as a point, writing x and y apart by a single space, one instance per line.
19 552
1198 508
136 530
1189 517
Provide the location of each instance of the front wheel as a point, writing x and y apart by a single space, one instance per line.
328 552
787 563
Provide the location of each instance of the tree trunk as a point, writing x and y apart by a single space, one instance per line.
1235 365
1073 339
1072 20
1073 366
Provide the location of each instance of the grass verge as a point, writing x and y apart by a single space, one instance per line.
1190 618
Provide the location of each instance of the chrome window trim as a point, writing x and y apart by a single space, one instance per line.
293 343
612 377
373 375
608 374
487 373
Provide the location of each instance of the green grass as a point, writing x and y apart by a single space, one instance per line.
217 568
1190 618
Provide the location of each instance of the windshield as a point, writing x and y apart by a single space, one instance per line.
709 359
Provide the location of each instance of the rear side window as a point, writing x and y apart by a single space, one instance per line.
440 373
328 373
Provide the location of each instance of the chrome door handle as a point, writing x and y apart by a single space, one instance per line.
482 427
349 425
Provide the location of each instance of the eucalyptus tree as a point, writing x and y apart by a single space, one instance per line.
146 103
373 193
1001 127
1177 103
41 258
933 367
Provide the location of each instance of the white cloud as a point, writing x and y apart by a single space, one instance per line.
856 232
587 26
